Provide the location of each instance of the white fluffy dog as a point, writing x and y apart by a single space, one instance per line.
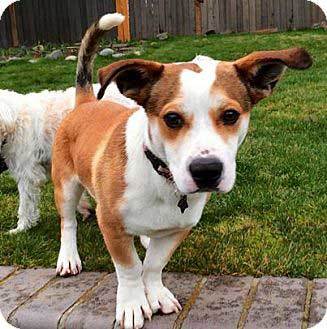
28 124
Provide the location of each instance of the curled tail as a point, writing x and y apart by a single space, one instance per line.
87 52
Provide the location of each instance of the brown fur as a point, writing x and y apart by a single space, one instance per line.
77 142
162 81
180 237
229 84
170 134
260 71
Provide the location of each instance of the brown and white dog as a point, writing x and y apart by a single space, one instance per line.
150 170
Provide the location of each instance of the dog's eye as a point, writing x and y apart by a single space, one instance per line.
173 120
229 117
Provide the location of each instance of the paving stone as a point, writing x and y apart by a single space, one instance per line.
45 310
279 303
318 302
182 286
5 271
219 304
18 288
98 311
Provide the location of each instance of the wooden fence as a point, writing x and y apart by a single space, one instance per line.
55 21
64 21
255 15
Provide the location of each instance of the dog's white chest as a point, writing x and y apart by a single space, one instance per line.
150 204
153 215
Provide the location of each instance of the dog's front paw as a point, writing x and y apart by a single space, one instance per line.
18 230
160 298
131 305
69 262
24 225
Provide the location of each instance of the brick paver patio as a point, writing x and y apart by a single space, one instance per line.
36 299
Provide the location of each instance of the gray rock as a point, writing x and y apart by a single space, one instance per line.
106 52
45 309
19 287
118 55
319 301
219 304
5 271
279 303
98 311
162 36
56 54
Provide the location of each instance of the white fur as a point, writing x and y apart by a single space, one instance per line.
156 258
109 21
151 203
196 100
28 124
149 208
69 261
131 298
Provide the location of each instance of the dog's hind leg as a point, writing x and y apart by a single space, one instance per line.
67 195
157 256
28 211
84 206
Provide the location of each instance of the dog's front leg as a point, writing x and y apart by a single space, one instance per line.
131 298
157 256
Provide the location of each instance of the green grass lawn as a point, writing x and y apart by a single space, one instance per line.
274 220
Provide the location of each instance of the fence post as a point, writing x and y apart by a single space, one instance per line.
198 16
13 23
124 32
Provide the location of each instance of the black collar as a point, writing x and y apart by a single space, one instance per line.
162 169
3 165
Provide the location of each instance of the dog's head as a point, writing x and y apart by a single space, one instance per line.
199 112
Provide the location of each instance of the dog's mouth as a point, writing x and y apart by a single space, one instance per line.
207 189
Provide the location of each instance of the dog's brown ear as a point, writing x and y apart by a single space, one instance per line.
134 78
261 70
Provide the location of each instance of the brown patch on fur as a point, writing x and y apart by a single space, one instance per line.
150 84
84 95
179 238
111 170
235 96
230 86
77 142
169 134
294 58
134 78
260 71
208 197
167 89
226 131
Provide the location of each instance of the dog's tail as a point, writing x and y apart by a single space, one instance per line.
87 52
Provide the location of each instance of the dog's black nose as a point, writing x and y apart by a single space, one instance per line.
206 172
